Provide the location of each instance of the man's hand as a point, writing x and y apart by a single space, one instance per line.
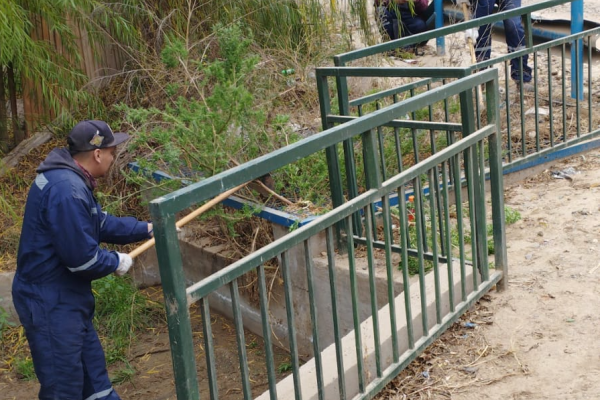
150 229
124 264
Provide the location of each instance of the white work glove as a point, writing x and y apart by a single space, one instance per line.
124 264
472 33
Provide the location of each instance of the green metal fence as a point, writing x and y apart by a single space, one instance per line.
558 113
445 229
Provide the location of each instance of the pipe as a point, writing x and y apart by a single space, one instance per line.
577 55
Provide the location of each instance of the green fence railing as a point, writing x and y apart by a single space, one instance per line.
438 242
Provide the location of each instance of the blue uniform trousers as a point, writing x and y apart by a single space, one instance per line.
68 357
514 33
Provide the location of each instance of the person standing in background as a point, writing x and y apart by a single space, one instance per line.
515 39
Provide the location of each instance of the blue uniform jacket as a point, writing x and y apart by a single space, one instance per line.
64 225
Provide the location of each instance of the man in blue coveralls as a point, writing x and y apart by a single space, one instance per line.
515 38
59 257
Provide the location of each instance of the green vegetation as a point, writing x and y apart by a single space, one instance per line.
284 367
511 217
4 322
23 366
121 312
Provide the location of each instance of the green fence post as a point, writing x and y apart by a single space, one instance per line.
344 107
333 162
497 183
178 317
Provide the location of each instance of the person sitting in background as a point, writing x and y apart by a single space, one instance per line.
402 18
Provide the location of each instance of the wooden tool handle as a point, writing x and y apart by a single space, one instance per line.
205 207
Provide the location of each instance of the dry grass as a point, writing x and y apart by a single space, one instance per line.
14 188
453 362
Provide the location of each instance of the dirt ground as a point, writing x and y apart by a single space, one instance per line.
537 339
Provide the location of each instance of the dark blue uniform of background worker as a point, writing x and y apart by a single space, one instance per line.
513 31
397 20
59 257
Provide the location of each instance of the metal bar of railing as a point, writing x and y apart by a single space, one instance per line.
508 115
388 239
536 112
449 257
409 124
470 177
497 191
389 92
421 262
405 273
240 340
550 97
398 148
373 288
291 324
436 173
434 188
564 93
371 168
522 110
481 212
310 280
577 56
266 331
423 219
339 352
590 61
355 316
578 71
381 142
209 350
173 283
460 225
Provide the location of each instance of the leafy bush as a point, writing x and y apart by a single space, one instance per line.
209 125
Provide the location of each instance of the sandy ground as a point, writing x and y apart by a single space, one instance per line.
546 318
537 339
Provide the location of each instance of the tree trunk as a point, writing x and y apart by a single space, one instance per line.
18 134
3 119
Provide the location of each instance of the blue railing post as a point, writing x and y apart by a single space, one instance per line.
440 41
577 50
